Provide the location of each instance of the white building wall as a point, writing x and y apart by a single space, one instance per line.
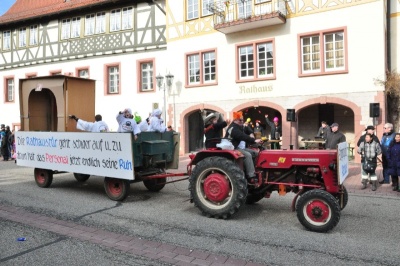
366 60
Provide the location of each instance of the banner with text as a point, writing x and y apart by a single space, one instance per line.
102 154
343 161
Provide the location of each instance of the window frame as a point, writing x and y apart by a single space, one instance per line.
22 38
202 68
203 7
115 20
139 74
33 35
79 69
7 89
194 10
107 79
5 38
256 60
127 16
322 53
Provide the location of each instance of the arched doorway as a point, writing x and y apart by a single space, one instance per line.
42 110
310 117
258 114
195 131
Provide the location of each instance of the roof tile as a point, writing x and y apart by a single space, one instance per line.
23 9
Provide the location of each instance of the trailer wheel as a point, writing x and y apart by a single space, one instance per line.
218 187
253 198
81 177
116 189
43 177
318 211
155 185
345 198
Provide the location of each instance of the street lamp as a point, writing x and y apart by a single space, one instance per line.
161 85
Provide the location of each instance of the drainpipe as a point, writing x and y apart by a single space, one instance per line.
388 44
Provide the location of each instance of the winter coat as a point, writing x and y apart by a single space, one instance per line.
369 150
393 157
212 131
276 131
236 135
333 139
362 139
386 141
323 132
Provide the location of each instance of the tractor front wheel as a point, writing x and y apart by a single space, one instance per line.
116 189
318 211
218 187
43 177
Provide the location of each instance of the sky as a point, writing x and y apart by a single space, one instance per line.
5 5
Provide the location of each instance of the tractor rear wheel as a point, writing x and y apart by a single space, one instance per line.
43 177
116 189
81 177
155 184
218 187
318 211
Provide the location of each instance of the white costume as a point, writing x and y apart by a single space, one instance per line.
127 124
144 126
156 123
98 126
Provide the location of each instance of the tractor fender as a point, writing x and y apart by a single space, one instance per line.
228 154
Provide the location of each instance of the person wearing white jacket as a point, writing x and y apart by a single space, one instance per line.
127 123
97 126
156 123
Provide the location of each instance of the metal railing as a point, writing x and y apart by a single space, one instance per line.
233 10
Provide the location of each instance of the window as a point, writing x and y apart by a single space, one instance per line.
83 73
201 68
65 29
10 89
33 35
146 76
70 28
90 24
76 27
323 53
95 24
100 22
256 61
113 79
22 37
115 20
127 18
192 9
6 40
244 9
206 4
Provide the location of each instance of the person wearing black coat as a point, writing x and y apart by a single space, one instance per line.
236 135
368 130
5 144
393 157
213 129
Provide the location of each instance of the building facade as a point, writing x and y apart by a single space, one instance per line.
319 59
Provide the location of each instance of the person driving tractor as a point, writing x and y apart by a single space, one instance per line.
236 135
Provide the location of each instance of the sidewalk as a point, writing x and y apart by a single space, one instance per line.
353 183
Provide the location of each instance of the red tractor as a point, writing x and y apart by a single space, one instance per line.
219 187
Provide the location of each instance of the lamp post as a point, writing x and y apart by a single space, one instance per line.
161 85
